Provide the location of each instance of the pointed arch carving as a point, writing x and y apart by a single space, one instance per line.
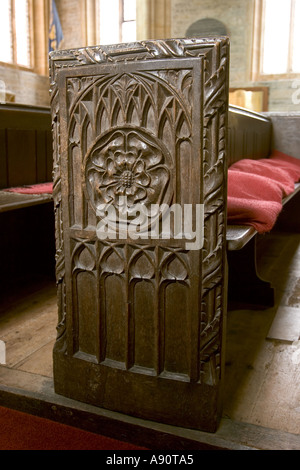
146 120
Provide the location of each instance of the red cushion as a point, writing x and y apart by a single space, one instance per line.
42 188
256 189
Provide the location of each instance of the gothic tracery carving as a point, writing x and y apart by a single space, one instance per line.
153 131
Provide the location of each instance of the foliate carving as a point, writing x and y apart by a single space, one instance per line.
59 237
215 166
140 51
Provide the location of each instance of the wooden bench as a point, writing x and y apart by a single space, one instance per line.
25 153
27 220
142 322
254 135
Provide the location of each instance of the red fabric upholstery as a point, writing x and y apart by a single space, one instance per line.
256 189
42 188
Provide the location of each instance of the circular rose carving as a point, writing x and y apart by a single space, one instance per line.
131 165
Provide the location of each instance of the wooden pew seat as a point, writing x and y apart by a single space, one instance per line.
26 202
25 154
13 200
254 136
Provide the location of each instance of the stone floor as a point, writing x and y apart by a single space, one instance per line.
262 385
263 346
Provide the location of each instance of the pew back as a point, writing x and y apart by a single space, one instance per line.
249 135
25 145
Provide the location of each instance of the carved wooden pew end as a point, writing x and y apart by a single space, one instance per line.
142 311
140 326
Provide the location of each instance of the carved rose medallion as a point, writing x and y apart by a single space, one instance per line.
128 165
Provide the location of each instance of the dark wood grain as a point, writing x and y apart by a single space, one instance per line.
25 145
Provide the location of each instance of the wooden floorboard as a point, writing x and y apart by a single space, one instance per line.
262 386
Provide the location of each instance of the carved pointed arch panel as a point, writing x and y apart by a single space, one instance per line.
141 320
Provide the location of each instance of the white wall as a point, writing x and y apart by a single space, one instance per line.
238 17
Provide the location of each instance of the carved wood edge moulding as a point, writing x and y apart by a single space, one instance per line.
141 321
